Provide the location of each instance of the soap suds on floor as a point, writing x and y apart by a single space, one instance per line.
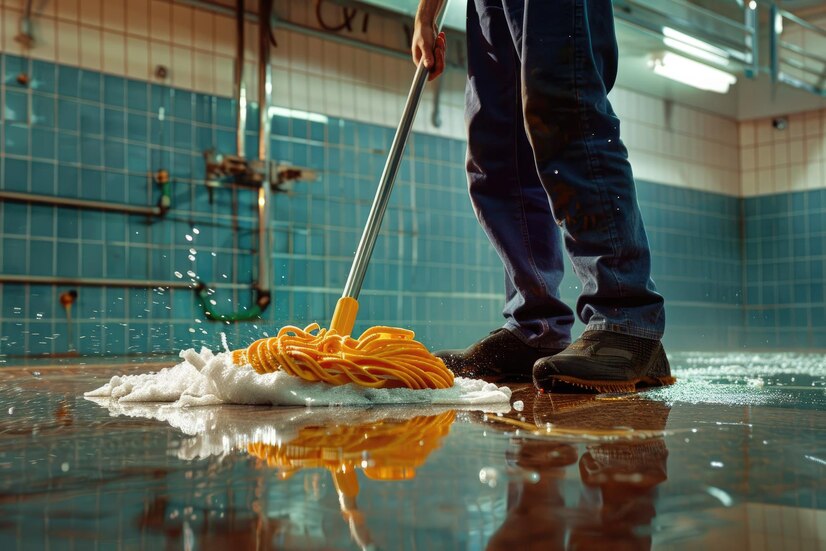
207 379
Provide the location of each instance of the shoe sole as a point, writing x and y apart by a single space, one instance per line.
612 386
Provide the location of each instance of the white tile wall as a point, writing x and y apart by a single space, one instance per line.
777 161
668 143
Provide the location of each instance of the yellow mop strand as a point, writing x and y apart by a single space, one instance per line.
382 357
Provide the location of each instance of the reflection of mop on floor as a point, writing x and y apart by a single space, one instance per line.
385 443
387 450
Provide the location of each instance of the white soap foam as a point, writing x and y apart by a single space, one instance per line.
205 379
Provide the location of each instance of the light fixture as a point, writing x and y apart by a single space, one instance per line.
694 47
690 72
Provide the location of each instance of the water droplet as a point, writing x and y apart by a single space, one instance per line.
489 476
190 273
36 374
188 237
193 251
178 274
556 172
64 467
519 405
717 464
191 258
196 231
191 329
11 410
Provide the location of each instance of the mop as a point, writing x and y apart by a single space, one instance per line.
382 357
315 366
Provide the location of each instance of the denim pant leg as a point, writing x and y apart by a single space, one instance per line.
569 63
505 190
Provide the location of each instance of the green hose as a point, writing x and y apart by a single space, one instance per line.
250 314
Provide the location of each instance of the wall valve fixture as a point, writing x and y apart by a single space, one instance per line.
251 173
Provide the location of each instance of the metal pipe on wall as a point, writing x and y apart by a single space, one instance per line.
108 282
264 192
78 203
240 87
262 285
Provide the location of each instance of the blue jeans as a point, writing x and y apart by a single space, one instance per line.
545 162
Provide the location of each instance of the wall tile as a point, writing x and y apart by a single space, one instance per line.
68 43
224 37
114 91
8 28
90 47
182 72
113 52
223 76
138 59
182 18
91 12
137 14
160 18
46 45
203 33
202 69
114 15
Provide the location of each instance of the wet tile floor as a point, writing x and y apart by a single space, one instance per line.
732 457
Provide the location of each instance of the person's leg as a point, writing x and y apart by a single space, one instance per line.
504 187
511 205
569 62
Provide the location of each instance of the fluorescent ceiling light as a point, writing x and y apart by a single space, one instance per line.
694 47
690 72
296 114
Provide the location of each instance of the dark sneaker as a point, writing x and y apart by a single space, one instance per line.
499 357
604 361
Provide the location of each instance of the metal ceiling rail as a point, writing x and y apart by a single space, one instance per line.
738 39
810 78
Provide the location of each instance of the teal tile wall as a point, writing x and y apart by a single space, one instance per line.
99 137
785 260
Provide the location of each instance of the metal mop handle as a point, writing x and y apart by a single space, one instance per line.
388 178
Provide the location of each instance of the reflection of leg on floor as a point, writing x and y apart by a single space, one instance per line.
619 475
535 518
619 482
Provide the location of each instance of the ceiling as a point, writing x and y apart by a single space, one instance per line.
749 98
